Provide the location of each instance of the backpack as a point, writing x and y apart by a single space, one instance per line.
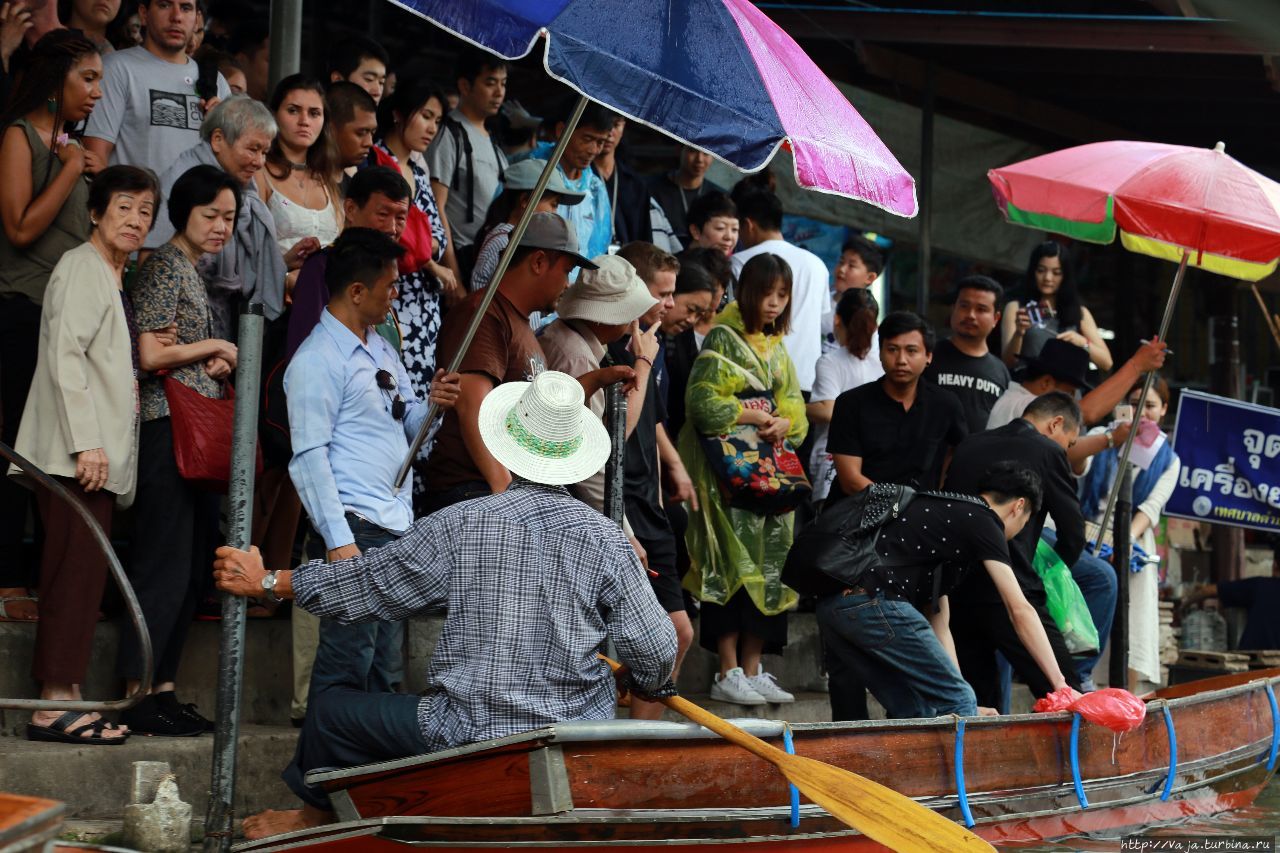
840 543
462 148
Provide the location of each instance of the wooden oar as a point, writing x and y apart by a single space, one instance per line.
882 814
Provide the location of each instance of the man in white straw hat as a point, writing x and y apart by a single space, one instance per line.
598 309
534 582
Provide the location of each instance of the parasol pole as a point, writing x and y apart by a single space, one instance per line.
1165 322
433 411
1266 315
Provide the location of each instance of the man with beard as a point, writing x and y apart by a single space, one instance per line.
504 350
963 364
150 112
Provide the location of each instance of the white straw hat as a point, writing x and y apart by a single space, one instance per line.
543 431
611 294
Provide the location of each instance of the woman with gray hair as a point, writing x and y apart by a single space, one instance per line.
235 137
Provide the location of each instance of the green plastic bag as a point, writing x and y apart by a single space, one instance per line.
1066 602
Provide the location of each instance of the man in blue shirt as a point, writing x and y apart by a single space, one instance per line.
592 219
352 411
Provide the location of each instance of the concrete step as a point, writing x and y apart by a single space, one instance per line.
94 780
268 669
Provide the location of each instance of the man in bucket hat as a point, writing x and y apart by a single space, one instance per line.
602 306
534 582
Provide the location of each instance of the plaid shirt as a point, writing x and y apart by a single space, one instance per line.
534 581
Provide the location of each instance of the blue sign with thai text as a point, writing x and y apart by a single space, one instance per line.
1230 453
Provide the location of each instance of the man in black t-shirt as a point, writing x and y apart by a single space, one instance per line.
963 364
890 631
981 625
897 429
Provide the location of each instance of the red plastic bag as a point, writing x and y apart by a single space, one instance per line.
1118 710
1059 700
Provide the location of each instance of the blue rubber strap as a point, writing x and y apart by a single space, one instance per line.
790 746
1075 761
1173 754
959 762
1275 728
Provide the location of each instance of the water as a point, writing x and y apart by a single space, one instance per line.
1260 819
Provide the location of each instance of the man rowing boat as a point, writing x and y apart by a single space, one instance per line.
534 581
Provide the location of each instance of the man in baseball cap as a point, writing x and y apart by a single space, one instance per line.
504 350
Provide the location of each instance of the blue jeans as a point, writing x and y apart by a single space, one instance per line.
891 647
1100 587
368 652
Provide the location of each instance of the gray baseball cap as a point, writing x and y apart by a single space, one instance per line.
523 176
553 232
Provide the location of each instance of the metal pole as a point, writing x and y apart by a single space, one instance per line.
1165 322
286 39
1121 554
43 481
616 419
926 191
219 825
433 411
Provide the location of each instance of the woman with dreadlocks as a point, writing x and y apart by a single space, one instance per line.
44 211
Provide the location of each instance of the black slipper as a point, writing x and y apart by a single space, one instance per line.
58 731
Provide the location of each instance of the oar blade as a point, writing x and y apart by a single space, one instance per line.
880 813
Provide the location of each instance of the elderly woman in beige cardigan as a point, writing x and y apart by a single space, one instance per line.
80 425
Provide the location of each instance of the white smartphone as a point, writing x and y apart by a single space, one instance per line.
1124 413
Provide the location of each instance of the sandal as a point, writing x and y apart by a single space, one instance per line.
7 616
59 732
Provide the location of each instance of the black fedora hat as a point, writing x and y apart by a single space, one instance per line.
1063 361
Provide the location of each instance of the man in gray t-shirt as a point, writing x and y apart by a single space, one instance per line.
150 111
466 165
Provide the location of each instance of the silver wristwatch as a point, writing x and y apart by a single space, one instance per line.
269 585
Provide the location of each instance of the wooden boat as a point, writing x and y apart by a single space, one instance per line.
1203 748
32 825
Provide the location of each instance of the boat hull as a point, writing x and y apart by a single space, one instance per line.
634 784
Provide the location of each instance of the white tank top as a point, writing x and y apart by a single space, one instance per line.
294 221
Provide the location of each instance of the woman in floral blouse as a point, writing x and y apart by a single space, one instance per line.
177 522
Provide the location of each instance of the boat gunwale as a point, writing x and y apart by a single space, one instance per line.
373 826
595 731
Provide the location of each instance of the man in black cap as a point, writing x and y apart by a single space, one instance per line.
980 622
503 350
1062 366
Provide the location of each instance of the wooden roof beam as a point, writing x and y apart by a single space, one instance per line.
1068 32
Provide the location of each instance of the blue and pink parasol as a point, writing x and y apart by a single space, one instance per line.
715 74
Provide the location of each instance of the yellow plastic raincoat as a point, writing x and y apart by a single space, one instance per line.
732 548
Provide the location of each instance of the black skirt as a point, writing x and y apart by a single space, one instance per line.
741 616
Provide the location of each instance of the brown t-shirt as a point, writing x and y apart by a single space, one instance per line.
505 350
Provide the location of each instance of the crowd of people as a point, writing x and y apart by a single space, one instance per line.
153 190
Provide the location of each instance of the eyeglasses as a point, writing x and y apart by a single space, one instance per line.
387 383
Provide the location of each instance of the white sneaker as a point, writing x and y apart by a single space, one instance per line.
735 687
767 686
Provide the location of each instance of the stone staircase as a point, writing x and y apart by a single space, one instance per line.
94 780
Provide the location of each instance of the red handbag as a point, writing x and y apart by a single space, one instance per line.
202 436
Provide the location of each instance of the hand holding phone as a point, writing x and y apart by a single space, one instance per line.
1124 413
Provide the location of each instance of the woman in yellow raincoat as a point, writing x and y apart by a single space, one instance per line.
737 554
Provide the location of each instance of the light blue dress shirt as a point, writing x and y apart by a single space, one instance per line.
347 448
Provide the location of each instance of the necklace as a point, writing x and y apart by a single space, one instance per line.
297 167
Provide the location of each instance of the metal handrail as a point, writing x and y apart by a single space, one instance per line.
122 581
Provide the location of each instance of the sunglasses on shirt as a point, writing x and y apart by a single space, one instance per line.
387 383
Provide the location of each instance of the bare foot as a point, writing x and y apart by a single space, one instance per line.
272 822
